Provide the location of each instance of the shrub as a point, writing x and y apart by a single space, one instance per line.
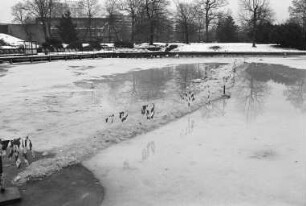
215 48
75 45
95 45
88 48
55 43
52 45
171 47
124 44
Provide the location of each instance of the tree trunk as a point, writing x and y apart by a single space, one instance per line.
206 27
151 33
186 33
133 29
89 27
254 28
45 30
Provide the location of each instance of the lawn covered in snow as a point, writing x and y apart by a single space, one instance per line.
231 47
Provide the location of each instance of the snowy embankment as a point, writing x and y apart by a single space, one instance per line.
213 48
232 47
298 62
76 150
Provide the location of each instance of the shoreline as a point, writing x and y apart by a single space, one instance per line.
184 54
74 185
71 186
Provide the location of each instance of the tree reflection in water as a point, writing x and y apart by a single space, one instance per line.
189 127
252 94
296 94
215 108
294 79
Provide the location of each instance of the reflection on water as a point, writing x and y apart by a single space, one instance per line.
296 94
189 127
123 90
170 83
294 79
148 151
215 108
252 94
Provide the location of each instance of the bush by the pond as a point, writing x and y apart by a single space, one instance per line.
75 45
171 47
215 48
123 44
95 45
52 45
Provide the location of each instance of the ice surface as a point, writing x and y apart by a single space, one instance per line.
63 105
249 150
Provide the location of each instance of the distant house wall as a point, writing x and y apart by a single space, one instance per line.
100 29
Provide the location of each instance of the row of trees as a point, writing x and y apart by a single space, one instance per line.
193 20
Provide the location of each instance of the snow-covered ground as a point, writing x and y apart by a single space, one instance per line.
230 47
61 104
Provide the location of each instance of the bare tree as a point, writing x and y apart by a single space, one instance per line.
111 8
154 9
186 13
210 10
91 9
254 11
22 16
133 8
298 11
200 22
42 10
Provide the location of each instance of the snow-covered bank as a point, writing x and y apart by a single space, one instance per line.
298 62
231 47
249 150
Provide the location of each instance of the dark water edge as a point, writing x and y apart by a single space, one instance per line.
71 186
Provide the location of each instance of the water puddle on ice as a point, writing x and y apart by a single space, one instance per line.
248 150
121 91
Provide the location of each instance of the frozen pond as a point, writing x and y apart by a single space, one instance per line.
72 102
248 150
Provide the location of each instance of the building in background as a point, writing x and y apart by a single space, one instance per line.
75 7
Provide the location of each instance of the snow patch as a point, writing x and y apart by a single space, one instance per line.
11 40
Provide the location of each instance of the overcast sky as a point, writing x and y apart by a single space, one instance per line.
280 8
